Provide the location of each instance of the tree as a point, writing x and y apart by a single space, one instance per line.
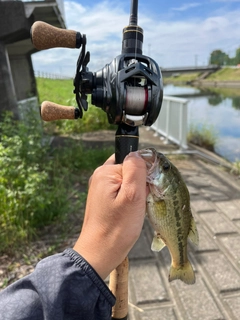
219 58
237 57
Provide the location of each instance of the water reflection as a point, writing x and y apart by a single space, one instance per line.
217 107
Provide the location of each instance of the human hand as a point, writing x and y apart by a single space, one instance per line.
114 215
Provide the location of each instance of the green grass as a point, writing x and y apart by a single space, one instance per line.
225 74
181 78
236 167
61 92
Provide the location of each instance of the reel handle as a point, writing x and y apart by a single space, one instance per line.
45 36
52 111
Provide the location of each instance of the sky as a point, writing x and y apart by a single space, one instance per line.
176 33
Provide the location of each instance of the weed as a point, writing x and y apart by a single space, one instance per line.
236 167
31 195
204 136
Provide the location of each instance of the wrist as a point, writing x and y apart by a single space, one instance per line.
102 257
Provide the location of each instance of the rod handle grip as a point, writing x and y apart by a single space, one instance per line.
45 36
52 111
119 287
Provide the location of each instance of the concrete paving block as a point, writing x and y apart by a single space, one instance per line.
192 190
206 242
214 194
237 203
237 223
142 248
147 283
201 205
217 223
225 277
232 244
157 314
229 208
199 181
196 301
234 304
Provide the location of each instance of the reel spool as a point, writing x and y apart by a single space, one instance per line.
136 100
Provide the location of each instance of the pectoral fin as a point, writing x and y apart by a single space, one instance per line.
193 233
157 244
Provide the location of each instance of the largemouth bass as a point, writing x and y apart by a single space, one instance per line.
168 209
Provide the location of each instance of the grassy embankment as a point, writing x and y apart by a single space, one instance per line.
181 78
225 74
41 185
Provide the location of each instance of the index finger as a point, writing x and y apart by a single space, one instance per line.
134 177
110 160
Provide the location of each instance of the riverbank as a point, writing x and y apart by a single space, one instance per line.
215 83
225 78
214 108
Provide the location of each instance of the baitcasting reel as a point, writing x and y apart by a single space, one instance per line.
129 89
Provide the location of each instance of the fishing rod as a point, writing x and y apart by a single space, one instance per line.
129 89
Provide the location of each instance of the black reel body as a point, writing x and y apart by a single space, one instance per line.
129 90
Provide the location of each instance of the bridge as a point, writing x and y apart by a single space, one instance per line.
167 72
17 81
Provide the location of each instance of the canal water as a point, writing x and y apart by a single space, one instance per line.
218 108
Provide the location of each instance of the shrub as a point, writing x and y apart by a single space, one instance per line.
36 180
31 194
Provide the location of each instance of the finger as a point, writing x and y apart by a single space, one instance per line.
110 160
134 177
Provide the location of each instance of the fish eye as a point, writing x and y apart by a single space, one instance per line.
166 166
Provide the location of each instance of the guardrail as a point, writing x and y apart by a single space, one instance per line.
172 122
48 75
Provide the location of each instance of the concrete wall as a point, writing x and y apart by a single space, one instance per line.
8 99
17 81
23 76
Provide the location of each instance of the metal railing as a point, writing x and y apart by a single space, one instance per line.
172 122
48 75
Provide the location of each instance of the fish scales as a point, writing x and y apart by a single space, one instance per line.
168 209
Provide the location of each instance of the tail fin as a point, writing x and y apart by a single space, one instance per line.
185 273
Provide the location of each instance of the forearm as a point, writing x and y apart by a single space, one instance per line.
63 286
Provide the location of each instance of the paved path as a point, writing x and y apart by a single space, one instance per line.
215 202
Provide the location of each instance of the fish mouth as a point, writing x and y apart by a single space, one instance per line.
151 158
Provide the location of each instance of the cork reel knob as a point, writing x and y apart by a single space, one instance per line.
45 36
51 111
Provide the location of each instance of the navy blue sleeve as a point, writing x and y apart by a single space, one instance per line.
62 287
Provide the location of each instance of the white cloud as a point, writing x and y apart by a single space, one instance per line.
170 43
187 6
